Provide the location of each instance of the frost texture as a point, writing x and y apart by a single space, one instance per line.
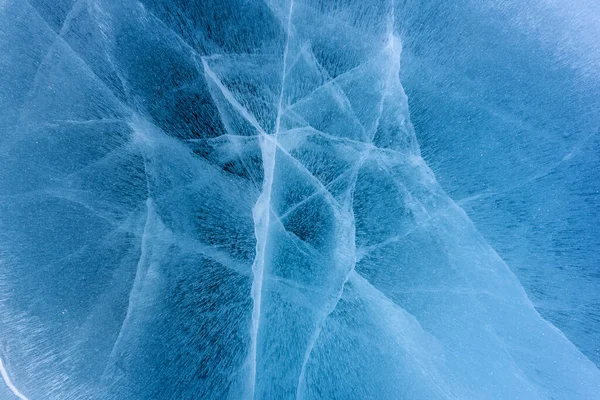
227 200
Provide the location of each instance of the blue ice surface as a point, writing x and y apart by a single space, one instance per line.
230 199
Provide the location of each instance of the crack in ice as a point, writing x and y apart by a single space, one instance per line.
261 213
9 382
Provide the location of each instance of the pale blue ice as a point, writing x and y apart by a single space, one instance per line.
299 199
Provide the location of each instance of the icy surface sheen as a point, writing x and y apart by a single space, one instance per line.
226 199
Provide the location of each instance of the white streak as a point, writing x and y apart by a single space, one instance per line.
262 211
9 383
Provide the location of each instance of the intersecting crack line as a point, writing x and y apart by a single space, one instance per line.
262 212
364 156
265 137
78 57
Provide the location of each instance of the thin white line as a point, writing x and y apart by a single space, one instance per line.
269 147
9 382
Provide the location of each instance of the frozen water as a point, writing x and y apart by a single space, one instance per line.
227 199
511 130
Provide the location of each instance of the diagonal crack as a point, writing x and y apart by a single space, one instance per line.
266 139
